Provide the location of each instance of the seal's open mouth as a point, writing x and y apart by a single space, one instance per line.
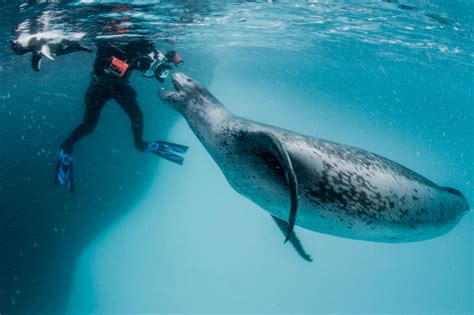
170 95
176 84
180 83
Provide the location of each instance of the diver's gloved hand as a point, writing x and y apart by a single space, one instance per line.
162 72
174 57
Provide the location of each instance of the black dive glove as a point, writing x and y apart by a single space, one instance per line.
174 57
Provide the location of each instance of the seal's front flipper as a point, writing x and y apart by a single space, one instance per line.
45 51
294 241
269 143
36 62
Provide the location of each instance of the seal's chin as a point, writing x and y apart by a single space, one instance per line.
167 95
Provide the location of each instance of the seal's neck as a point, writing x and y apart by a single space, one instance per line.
205 115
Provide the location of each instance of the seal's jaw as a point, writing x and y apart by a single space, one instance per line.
183 86
178 87
188 95
172 98
182 82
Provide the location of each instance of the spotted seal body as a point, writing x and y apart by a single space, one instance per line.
341 190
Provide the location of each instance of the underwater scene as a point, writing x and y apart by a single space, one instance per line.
236 157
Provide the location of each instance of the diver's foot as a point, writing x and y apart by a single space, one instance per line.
168 150
66 149
141 146
64 170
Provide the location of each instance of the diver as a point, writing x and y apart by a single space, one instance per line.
114 63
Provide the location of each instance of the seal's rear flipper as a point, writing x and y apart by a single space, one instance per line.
454 191
458 193
270 144
294 241
85 48
72 46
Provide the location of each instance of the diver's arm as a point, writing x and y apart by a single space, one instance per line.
158 65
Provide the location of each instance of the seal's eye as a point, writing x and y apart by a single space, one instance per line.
189 80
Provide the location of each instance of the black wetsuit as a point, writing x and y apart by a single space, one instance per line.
105 85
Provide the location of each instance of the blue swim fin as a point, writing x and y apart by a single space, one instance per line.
178 148
168 150
64 171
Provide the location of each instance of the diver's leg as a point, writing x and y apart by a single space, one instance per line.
127 99
95 99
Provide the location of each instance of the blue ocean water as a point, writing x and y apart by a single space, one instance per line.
144 236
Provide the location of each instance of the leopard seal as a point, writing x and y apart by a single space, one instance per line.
314 183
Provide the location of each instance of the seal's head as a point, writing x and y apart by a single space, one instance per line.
18 47
189 94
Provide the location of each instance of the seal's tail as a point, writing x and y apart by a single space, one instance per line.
458 193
